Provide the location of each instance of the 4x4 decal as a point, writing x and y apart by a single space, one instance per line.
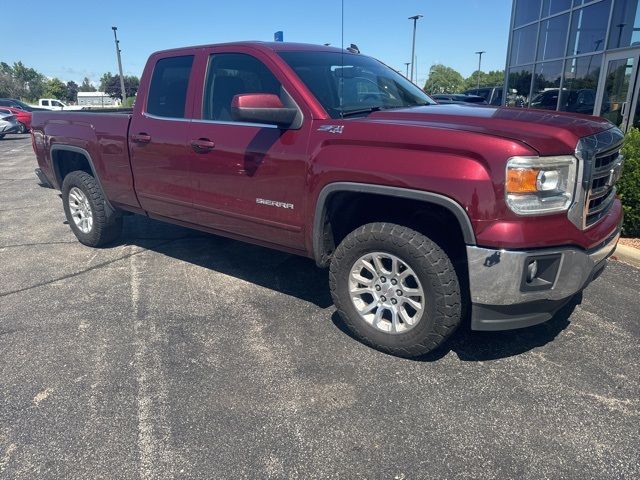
331 128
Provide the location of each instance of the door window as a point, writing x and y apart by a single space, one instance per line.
231 74
45 103
168 90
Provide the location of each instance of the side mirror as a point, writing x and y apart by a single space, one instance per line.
262 108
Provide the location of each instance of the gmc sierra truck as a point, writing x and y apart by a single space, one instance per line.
425 214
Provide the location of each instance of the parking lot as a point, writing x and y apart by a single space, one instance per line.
176 354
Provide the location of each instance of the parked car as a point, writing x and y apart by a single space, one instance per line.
458 98
493 95
14 103
580 101
54 104
547 100
23 117
421 211
8 124
577 101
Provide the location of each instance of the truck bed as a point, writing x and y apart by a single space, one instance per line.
103 135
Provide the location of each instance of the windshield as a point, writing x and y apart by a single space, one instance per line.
365 83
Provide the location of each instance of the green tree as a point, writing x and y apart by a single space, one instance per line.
55 88
110 84
493 78
71 92
8 85
86 86
629 184
30 83
443 79
18 81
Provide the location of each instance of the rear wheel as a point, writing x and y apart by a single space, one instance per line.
22 128
92 222
395 289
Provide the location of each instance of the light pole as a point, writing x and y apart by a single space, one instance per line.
406 64
413 44
479 64
124 91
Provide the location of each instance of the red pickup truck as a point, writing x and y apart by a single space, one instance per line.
426 214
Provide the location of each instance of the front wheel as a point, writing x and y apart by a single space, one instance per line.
92 222
395 289
22 128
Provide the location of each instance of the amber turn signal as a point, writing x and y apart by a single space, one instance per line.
522 180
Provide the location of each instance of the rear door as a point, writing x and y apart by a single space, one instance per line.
157 138
252 181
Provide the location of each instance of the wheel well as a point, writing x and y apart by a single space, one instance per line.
346 211
66 161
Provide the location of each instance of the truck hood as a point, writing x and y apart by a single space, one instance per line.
548 132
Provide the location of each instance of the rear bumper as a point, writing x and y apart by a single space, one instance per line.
514 289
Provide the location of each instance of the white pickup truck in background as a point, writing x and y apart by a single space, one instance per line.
54 104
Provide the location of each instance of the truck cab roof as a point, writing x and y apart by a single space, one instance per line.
272 46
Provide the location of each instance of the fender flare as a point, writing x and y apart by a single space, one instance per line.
87 155
428 197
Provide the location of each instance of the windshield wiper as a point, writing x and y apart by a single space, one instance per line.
359 111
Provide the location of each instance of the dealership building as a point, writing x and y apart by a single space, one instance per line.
577 56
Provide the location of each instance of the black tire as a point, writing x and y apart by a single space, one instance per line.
23 128
442 311
2 135
107 224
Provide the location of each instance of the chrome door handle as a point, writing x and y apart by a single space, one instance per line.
140 138
202 145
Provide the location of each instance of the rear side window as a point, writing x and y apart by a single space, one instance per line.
168 90
231 74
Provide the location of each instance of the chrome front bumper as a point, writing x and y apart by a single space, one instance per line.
502 299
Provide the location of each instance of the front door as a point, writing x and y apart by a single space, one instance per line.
617 95
248 179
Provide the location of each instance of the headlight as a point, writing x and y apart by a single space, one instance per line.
537 185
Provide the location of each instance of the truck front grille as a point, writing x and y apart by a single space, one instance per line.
602 191
600 166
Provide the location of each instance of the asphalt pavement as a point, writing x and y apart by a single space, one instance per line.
176 354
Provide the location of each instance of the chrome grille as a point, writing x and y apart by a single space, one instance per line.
602 192
600 168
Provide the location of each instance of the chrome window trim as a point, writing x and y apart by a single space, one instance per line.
214 122
241 124
171 119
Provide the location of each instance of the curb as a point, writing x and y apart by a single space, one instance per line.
628 255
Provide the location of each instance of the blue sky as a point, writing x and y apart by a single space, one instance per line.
73 39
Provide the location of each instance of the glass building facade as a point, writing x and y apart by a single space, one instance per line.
576 55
